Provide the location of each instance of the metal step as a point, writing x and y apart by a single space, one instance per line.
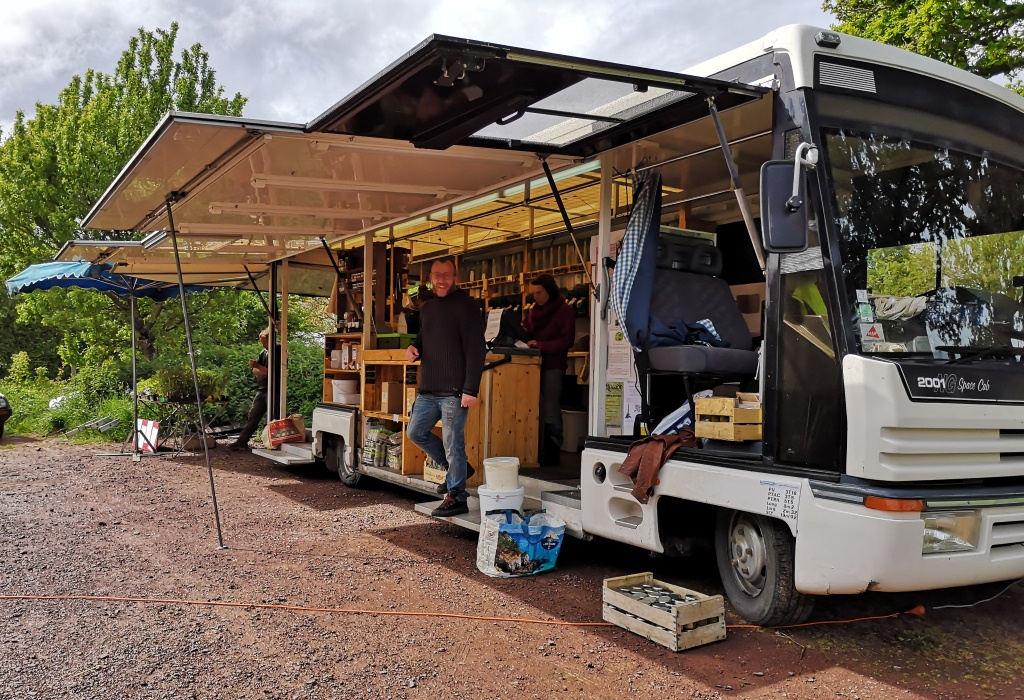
570 498
298 449
412 481
535 487
282 457
470 520
632 521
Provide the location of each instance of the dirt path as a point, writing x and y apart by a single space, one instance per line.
73 524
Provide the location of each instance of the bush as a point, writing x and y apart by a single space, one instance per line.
18 372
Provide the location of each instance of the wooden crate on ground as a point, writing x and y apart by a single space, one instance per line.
727 418
699 620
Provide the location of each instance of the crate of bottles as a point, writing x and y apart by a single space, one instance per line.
669 615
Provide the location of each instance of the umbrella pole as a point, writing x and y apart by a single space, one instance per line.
175 196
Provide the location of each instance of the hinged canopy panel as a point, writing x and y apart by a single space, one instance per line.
451 91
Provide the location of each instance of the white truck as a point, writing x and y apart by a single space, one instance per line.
885 234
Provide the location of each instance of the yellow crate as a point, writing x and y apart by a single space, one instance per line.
725 430
737 410
683 627
726 418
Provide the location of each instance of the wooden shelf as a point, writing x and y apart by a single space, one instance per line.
395 417
343 405
331 370
345 336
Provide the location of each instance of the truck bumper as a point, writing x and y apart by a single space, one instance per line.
848 548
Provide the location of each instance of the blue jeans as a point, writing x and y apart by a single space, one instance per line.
451 451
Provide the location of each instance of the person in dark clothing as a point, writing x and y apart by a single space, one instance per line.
451 350
258 410
551 326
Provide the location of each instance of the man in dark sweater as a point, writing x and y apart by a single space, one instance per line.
450 347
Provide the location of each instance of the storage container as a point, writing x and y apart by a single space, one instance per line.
500 499
501 473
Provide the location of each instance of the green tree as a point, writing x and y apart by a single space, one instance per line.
985 37
55 165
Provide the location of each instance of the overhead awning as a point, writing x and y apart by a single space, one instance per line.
450 91
244 193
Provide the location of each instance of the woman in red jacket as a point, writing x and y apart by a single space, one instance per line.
551 326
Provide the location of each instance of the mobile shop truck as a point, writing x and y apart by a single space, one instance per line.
871 201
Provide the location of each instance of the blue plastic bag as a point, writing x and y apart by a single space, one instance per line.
511 545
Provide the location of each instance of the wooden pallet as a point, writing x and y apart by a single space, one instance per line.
726 418
683 627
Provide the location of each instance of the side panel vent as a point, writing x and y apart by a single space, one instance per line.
835 75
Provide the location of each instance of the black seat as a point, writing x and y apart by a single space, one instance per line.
687 288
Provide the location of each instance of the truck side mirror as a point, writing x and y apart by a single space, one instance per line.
784 203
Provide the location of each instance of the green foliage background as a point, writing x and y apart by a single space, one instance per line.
76 343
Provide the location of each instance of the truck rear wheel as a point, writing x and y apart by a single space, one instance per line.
334 458
755 560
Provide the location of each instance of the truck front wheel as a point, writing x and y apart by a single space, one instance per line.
334 458
755 560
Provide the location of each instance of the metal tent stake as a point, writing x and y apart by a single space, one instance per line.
173 197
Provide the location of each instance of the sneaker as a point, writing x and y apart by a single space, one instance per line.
442 488
450 506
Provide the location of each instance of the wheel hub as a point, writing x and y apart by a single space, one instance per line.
747 554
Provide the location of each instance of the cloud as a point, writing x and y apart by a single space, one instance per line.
295 59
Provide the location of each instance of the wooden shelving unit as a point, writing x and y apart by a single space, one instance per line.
378 367
335 341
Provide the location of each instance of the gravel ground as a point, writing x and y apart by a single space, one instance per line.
75 524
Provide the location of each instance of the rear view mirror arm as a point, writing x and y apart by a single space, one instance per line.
806 156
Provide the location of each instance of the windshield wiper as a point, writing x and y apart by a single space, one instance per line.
969 353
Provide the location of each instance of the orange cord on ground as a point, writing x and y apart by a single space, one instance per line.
918 611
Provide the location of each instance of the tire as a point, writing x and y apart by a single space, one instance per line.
755 560
2 422
334 459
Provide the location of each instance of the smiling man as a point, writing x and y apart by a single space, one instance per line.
450 347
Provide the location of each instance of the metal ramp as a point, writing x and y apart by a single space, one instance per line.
289 453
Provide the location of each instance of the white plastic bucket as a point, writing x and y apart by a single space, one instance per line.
344 389
501 473
500 499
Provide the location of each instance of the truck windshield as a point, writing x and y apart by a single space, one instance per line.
932 244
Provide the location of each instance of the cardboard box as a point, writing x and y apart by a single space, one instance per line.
391 397
750 300
290 429
432 474
410 399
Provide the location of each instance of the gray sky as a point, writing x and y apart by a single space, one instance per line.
295 59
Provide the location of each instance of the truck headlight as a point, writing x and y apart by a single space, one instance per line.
952 531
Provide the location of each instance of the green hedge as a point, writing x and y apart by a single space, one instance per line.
95 392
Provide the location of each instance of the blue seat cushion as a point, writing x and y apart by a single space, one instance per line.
703 359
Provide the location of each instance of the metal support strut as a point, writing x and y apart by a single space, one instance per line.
737 188
568 225
171 198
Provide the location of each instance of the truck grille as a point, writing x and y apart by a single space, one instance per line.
952 453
